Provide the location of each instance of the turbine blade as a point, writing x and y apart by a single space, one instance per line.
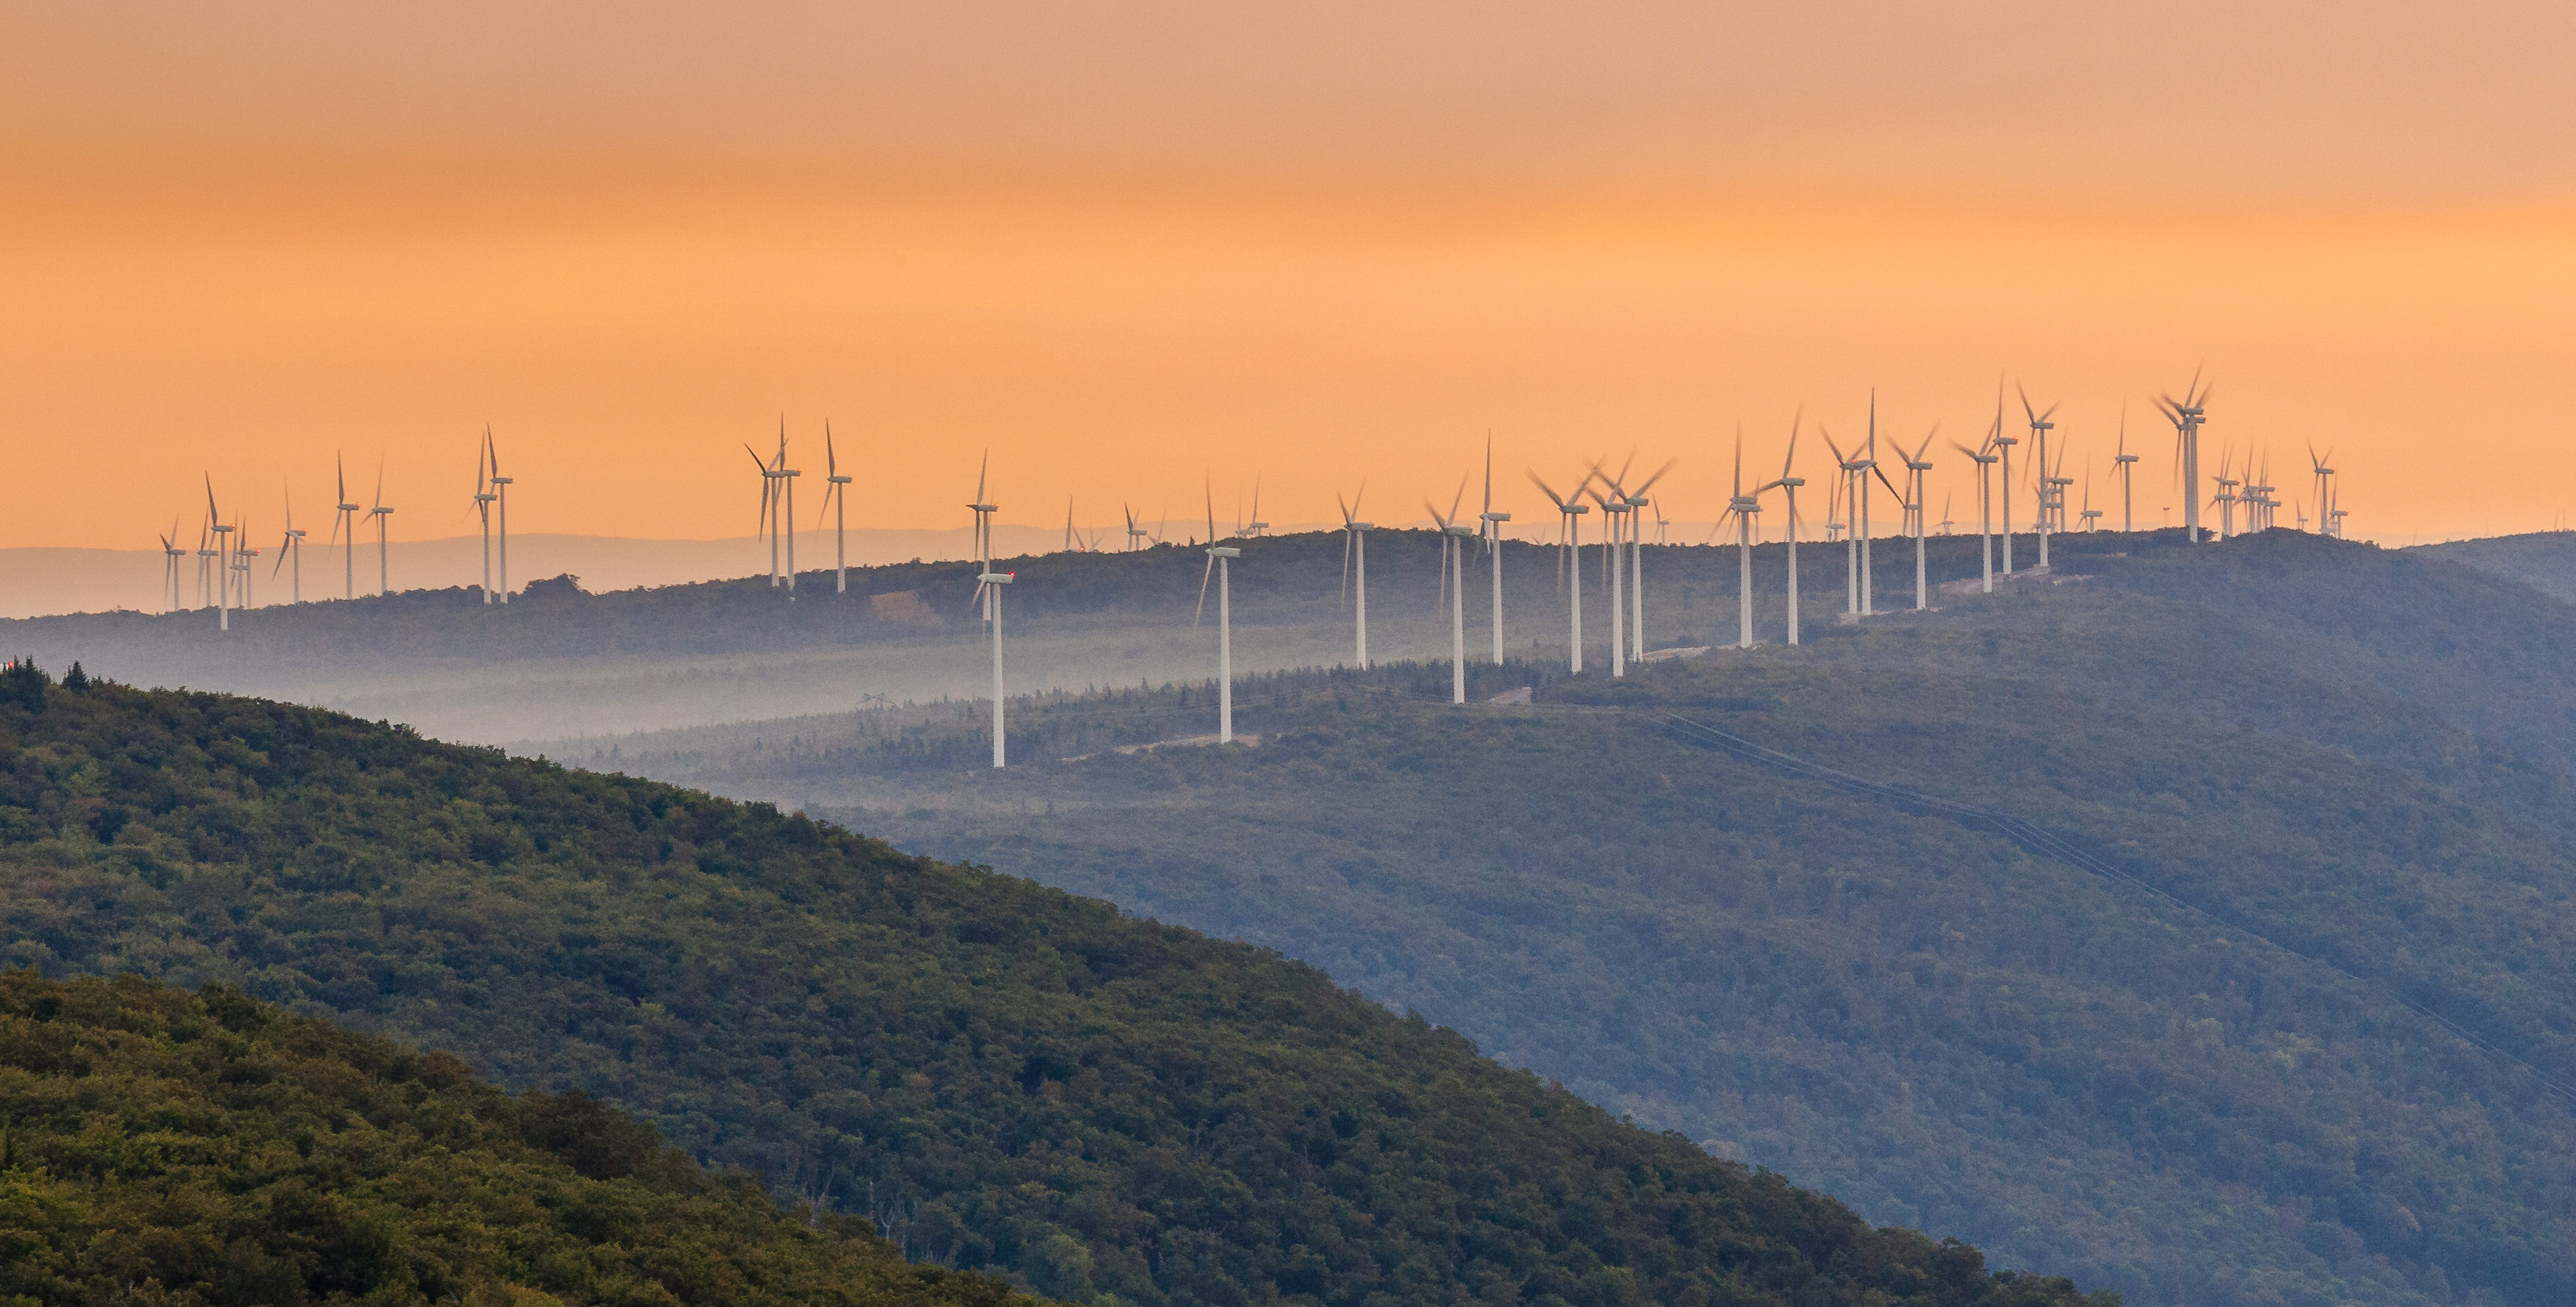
1204 578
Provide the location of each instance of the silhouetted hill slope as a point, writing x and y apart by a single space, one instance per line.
203 1149
2543 560
2278 739
999 1074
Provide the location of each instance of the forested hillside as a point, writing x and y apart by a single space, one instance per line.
204 1149
2310 1039
998 1074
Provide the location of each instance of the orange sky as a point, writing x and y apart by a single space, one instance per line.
1130 245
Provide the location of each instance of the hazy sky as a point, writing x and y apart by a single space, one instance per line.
1128 246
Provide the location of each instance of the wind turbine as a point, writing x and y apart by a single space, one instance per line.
988 592
2324 475
1453 566
1570 544
1135 533
2003 446
2090 513
1492 530
243 553
171 553
346 517
1741 509
2125 461
384 568
1220 560
205 564
1354 548
2226 496
223 560
483 497
2187 414
501 488
1853 468
2040 426
984 528
786 519
1253 529
291 546
836 490
1985 500
2055 486
768 506
1789 485
1611 507
1946 497
1914 511
1635 522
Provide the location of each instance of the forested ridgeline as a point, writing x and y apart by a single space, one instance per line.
998 1075
2209 1078
161 1146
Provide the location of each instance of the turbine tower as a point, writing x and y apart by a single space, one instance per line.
1853 468
1220 559
501 488
384 568
2040 426
1354 549
1570 545
836 492
1453 581
171 553
346 519
1492 530
205 564
1914 512
1789 485
223 560
2187 414
1985 500
291 546
769 507
2126 462
1135 533
1634 520
1741 509
984 527
988 592
483 497
2322 470
1611 538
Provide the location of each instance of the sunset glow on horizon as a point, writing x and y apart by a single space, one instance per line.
1269 253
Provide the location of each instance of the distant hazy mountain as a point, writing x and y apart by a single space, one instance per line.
2544 560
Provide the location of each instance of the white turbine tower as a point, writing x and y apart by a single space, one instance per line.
1985 501
384 565
787 511
1914 511
243 553
2040 426
1740 509
1569 547
1611 539
2187 414
1635 522
205 564
1453 583
501 489
768 508
1853 468
291 546
984 528
483 497
1491 529
344 529
1354 550
2226 496
1788 485
1220 558
2126 462
171 553
988 593
836 492
223 560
